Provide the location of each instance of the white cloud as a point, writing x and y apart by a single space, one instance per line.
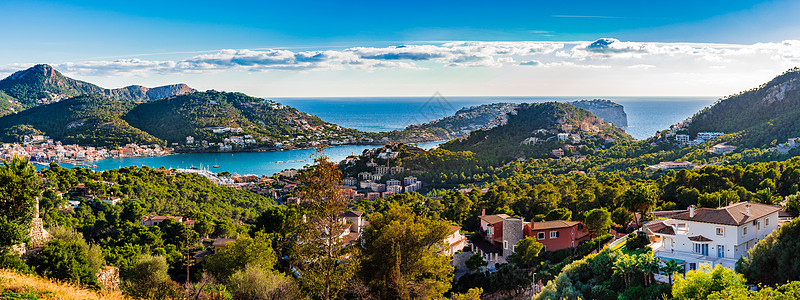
604 53
641 66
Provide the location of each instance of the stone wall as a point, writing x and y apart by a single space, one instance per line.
512 233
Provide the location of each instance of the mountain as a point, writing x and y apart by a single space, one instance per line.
198 114
609 111
756 117
41 84
530 130
458 125
144 94
86 119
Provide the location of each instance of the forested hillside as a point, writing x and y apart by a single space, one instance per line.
176 118
758 116
87 120
541 121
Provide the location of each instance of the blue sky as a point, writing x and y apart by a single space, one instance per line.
279 48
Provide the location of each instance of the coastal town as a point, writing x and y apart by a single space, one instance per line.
42 149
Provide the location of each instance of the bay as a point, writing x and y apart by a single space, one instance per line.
258 163
646 115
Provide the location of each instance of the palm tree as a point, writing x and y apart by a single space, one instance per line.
624 266
671 267
648 265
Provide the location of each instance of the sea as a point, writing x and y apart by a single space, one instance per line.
646 116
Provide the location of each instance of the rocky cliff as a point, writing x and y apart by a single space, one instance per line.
143 94
605 109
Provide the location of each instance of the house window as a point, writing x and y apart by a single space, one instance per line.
755 222
505 244
766 221
701 249
744 230
720 231
489 230
540 236
692 266
682 226
553 234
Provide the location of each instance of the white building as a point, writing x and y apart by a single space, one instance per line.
682 138
454 241
408 180
351 181
563 136
392 182
709 135
712 236
396 189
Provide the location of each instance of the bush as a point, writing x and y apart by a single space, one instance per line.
9 259
636 240
148 279
256 283
586 248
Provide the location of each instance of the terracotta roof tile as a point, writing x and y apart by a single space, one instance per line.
733 214
553 224
493 219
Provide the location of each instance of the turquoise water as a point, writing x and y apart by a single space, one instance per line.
259 163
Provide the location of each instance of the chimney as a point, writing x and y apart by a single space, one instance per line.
747 211
691 211
483 212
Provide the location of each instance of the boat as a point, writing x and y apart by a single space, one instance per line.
193 168
215 166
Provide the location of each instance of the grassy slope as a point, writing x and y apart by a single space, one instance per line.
20 285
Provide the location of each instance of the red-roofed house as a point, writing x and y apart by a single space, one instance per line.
558 234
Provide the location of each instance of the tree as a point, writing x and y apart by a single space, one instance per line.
598 221
403 256
773 260
475 262
147 278
319 249
240 253
700 284
670 268
471 294
253 282
526 252
277 219
19 188
67 260
559 214
621 216
132 211
641 198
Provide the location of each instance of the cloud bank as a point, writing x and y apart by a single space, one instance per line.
602 53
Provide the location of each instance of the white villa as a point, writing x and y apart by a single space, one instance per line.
712 236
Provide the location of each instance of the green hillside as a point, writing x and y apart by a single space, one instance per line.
176 118
42 81
756 117
86 120
8 104
506 142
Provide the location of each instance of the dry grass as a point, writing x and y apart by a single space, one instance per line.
44 288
